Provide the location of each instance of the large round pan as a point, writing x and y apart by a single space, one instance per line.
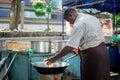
55 69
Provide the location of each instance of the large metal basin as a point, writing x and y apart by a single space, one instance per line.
41 46
48 46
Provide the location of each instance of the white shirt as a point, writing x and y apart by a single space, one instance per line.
86 32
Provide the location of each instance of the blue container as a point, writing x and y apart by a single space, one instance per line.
21 68
114 58
74 67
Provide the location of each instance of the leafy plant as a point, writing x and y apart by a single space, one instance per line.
42 8
117 19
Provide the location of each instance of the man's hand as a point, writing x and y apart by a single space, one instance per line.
49 61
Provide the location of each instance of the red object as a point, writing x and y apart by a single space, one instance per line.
6 1
75 51
44 1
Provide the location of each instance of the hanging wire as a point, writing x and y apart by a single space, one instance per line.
89 4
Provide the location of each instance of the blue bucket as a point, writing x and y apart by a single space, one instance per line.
114 57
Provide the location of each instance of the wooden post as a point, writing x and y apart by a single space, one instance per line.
22 14
18 10
15 14
12 15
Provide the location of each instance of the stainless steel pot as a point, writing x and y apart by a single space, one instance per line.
59 44
41 46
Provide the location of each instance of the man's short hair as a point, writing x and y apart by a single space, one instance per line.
67 11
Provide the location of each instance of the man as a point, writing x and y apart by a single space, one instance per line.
88 37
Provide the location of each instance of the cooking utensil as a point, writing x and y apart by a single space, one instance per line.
66 60
41 46
55 69
59 44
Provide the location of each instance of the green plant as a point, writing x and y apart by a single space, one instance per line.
117 19
42 8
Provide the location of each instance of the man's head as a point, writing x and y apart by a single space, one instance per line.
70 15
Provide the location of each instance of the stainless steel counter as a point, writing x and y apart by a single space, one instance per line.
108 40
33 38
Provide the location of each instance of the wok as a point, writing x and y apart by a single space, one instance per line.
55 69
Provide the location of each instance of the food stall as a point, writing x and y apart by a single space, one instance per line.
33 46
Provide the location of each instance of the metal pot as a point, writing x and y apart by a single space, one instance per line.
59 45
41 46
42 69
